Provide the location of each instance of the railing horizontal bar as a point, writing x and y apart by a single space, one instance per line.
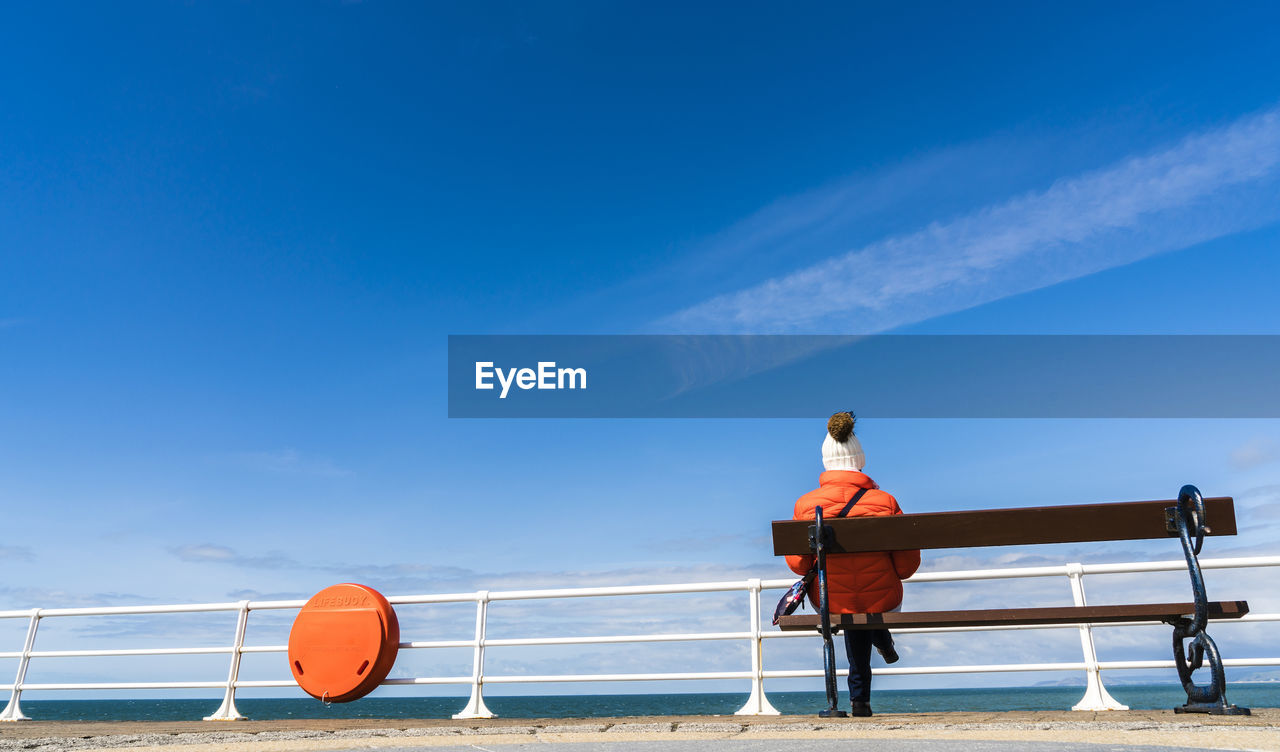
429 599
991 574
684 637
693 587
512 642
437 644
1121 568
1124 568
622 638
605 640
1181 566
614 677
931 630
513 595
982 669
1119 665
274 605
128 685
1250 661
429 680
1105 665
128 651
777 584
978 669
773 674
395 600
186 608
1114 665
260 683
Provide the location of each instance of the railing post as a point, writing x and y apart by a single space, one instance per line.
227 711
1096 696
12 711
757 703
475 706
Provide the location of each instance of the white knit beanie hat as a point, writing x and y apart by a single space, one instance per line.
846 454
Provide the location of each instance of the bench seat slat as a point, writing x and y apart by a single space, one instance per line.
1079 523
1012 616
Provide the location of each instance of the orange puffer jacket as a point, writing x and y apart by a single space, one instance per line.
868 583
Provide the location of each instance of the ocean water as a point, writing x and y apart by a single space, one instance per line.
1138 697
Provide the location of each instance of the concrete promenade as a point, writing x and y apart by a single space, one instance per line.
905 732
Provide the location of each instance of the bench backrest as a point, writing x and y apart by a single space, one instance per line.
1127 520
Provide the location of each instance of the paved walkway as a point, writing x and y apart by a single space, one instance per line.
1050 731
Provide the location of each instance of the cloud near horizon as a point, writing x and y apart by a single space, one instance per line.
1258 451
1207 186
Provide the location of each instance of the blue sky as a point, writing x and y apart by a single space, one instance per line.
234 238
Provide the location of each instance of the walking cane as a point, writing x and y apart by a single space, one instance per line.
817 543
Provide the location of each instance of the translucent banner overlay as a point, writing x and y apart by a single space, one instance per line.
883 376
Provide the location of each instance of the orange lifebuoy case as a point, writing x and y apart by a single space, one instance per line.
343 643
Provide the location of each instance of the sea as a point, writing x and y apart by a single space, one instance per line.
1138 697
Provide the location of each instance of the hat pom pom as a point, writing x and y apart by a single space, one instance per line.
840 426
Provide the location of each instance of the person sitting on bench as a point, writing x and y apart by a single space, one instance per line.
861 583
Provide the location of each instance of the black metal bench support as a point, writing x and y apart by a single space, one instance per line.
1187 520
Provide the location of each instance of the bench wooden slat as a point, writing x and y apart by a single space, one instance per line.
1079 523
1010 616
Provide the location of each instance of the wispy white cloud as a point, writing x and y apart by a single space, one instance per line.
210 553
1258 514
1208 185
41 597
1254 452
21 553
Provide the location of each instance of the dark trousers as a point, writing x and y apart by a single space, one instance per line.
857 645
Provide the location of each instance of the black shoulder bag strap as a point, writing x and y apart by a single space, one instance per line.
856 497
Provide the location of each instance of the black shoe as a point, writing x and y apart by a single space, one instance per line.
861 709
890 655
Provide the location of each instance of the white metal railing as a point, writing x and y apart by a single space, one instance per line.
1095 697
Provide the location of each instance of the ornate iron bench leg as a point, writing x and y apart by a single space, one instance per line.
817 542
1188 521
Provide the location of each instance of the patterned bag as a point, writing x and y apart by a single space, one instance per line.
794 596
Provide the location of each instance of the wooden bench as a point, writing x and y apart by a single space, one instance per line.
1189 518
